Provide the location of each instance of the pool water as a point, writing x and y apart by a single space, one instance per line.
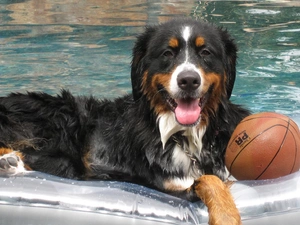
85 46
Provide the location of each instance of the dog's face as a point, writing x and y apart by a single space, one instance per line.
185 67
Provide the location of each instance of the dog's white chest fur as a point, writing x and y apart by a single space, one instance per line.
182 154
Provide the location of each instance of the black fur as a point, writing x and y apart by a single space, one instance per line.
85 138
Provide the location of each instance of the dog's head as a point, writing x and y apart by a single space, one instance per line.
185 67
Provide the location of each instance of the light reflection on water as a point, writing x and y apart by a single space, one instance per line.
85 46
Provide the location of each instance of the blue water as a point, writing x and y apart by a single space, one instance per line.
85 46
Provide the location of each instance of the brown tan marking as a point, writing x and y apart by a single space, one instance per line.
219 90
173 43
87 159
150 90
4 151
200 41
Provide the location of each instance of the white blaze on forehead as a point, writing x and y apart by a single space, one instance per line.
186 33
184 66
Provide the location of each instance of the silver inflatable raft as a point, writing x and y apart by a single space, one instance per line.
35 198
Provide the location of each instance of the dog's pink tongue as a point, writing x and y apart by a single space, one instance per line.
187 112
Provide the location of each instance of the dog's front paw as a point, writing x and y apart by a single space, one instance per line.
11 164
217 197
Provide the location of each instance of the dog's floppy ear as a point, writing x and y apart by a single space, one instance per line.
139 64
230 61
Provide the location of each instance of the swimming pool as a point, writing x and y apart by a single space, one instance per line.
85 46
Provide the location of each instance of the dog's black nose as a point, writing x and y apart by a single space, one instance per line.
188 80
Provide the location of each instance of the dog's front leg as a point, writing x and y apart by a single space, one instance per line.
217 197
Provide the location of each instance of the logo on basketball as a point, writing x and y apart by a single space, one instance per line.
242 139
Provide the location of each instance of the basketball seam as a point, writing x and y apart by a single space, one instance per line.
284 137
296 148
296 128
251 142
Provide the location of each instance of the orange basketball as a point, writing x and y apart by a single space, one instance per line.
263 146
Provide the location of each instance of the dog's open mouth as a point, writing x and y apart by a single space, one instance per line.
187 110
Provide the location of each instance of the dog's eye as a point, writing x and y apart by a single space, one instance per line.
204 52
168 54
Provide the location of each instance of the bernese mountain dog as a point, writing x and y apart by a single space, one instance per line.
172 129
